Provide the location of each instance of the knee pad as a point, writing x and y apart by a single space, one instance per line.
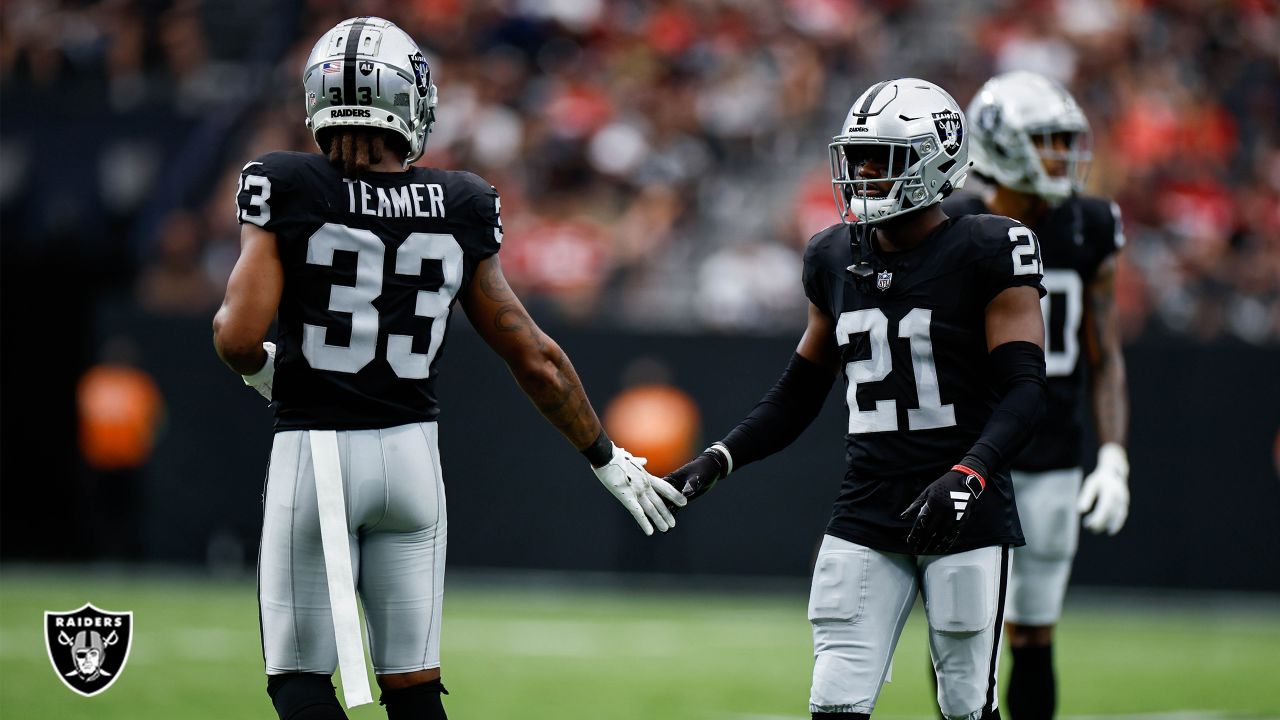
304 696
416 702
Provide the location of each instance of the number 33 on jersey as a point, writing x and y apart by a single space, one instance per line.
915 353
375 266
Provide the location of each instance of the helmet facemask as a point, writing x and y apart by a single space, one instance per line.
875 179
1029 135
1059 160
903 147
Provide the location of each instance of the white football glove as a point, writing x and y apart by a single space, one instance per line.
263 379
1106 491
639 492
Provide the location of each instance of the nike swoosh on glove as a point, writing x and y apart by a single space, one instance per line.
639 492
942 509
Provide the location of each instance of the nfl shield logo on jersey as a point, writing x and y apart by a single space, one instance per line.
883 278
88 647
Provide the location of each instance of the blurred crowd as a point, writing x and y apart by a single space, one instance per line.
663 162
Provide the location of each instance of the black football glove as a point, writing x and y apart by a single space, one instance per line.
942 509
700 474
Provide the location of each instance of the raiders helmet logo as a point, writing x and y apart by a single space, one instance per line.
883 279
950 127
88 647
989 117
421 74
366 67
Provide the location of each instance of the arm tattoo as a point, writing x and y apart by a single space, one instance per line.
542 369
507 319
494 285
558 394
1109 388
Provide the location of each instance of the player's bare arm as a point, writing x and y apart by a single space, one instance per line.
818 343
252 298
538 364
1105 492
544 373
1014 316
778 419
1109 387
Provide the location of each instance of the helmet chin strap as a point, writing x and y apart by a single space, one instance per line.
865 263
862 269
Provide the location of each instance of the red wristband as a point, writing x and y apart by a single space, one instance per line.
970 471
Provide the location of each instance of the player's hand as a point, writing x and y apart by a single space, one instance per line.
639 492
1106 491
699 475
941 511
265 377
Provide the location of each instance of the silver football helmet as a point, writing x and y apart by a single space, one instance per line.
1021 120
913 132
369 73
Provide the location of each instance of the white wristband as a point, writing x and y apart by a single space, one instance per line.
728 458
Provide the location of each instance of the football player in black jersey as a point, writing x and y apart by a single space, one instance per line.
935 324
1030 142
362 256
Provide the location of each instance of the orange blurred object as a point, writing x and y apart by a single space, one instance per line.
120 408
658 422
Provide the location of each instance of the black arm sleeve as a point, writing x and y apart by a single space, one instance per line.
1017 369
782 414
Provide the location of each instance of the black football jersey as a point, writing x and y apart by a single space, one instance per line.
372 268
916 370
1075 238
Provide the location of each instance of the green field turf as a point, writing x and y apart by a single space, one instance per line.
516 651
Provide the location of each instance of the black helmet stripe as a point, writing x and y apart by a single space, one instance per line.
871 97
349 61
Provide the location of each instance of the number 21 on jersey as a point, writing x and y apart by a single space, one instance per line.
914 326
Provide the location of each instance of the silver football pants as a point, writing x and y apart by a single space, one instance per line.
394 492
859 604
1042 567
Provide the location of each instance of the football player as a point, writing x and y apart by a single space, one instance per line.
1030 142
363 255
935 324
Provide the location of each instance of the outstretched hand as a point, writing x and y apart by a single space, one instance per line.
696 477
647 498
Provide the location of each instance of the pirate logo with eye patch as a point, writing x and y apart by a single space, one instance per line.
88 647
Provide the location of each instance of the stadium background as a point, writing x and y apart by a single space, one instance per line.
661 164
